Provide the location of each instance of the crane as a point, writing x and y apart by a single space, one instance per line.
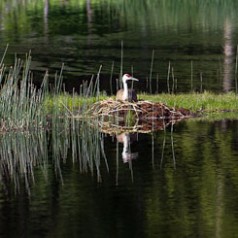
126 94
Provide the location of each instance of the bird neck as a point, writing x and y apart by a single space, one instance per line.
125 92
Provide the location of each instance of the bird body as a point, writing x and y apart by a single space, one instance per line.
126 94
130 96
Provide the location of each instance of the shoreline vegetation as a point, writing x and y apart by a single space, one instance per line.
25 107
206 102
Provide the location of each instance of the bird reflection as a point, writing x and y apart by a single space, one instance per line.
126 139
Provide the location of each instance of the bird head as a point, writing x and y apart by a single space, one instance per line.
127 77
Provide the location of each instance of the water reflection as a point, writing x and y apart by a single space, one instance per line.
83 142
19 154
89 33
70 172
228 56
126 139
89 17
46 14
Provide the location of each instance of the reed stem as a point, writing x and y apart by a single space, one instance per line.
236 84
121 67
201 82
151 70
111 75
157 83
168 87
4 54
173 85
191 75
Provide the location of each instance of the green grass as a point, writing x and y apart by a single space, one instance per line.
66 101
25 107
207 102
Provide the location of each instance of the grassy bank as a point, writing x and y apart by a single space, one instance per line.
25 107
206 102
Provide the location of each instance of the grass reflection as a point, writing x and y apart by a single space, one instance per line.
79 141
19 154
82 142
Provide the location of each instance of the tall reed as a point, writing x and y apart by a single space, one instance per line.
236 85
20 101
151 70
191 78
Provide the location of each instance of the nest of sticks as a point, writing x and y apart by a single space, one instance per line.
141 110
114 117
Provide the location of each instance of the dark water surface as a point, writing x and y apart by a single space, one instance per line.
197 38
75 181
182 182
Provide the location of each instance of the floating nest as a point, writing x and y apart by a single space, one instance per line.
143 116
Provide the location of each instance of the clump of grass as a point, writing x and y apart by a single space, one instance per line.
25 107
20 101
72 102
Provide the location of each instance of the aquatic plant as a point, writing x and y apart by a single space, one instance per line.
21 105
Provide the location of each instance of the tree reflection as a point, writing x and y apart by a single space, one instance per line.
46 15
201 188
228 56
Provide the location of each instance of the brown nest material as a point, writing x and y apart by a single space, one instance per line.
115 117
138 127
142 110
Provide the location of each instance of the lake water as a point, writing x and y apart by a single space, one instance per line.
198 39
178 182
80 182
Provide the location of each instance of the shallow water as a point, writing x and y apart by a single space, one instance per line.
181 182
